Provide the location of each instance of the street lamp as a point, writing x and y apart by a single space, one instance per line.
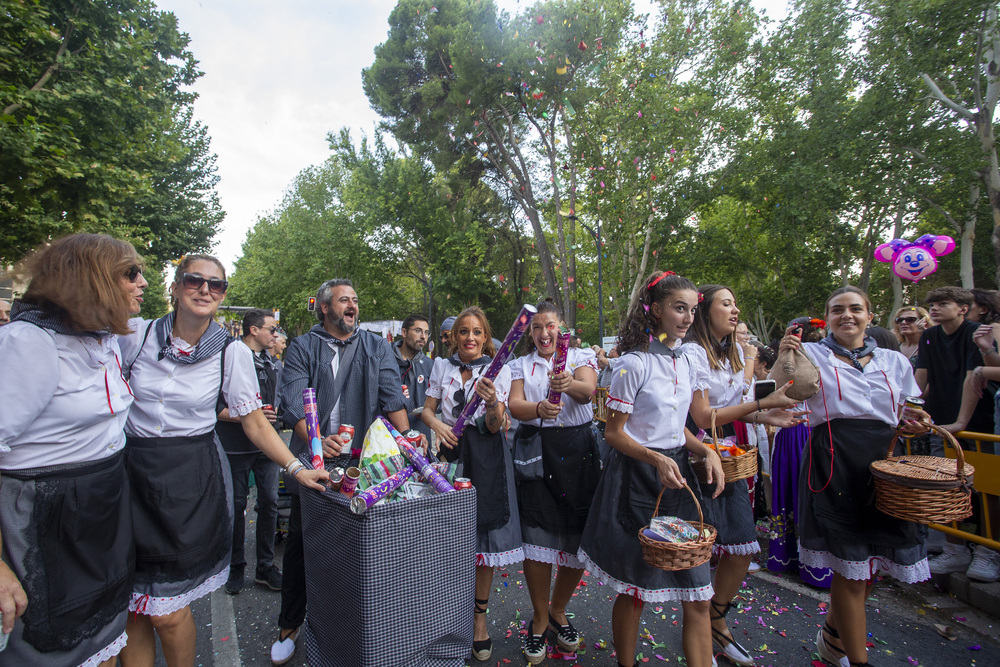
600 281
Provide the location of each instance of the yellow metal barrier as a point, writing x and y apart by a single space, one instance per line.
986 481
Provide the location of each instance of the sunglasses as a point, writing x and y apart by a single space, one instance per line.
194 281
460 401
906 320
133 273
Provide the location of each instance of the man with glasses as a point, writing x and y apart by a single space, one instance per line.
258 334
414 368
356 378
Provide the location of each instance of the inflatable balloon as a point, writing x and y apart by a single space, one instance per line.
915 260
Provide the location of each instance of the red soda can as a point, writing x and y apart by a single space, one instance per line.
462 483
336 478
413 437
346 433
350 483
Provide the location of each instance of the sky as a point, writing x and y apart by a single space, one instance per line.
278 77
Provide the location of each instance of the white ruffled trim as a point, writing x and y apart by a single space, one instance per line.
619 405
246 407
745 549
500 559
153 606
106 653
551 556
646 594
864 569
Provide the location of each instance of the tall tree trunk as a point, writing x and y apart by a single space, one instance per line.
968 237
897 282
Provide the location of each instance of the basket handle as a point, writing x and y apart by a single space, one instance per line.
947 437
715 437
701 517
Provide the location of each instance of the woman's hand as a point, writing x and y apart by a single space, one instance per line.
313 479
778 399
547 410
784 418
560 381
670 474
983 338
13 600
446 437
486 390
713 465
789 341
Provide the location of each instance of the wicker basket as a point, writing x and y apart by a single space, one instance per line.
673 556
924 489
734 467
601 404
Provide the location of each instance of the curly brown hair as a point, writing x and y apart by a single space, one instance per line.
78 279
640 323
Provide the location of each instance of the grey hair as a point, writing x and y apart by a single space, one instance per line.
325 294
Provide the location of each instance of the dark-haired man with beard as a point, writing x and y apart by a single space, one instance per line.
356 378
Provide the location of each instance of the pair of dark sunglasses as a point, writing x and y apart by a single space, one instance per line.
133 273
906 320
194 281
460 401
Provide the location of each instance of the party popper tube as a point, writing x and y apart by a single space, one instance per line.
362 501
559 362
312 426
503 355
441 484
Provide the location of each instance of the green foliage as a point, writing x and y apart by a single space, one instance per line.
96 131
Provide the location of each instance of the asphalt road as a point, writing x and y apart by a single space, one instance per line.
777 621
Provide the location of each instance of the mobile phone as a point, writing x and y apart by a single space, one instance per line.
763 388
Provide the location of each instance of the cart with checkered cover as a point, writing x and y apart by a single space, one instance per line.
392 586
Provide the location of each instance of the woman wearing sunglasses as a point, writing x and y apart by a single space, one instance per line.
909 323
554 496
181 487
61 455
485 457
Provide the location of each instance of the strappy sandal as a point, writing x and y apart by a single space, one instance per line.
829 653
567 636
533 645
730 649
482 649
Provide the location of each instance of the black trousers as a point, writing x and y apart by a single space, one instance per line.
293 572
265 473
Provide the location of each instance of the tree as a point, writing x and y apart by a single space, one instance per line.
96 131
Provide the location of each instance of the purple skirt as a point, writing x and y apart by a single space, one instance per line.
783 552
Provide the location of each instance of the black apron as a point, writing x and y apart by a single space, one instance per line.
640 487
560 500
80 562
482 457
179 507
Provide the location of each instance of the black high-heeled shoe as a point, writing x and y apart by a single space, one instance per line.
482 649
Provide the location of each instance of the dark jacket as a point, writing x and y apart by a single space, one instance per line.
415 373
234 440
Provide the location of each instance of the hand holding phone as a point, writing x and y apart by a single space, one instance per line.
764 388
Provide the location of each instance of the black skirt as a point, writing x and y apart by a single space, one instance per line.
839 525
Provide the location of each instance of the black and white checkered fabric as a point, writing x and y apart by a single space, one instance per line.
393 586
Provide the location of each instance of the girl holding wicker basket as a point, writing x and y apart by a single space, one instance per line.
723 376
854 417
647 404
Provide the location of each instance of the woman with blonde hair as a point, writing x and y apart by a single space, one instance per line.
182 498
64 591
908 323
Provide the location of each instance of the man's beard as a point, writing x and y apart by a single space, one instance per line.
341 325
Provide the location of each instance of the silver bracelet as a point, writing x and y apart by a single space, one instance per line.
293 467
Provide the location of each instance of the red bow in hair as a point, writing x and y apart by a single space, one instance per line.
659 278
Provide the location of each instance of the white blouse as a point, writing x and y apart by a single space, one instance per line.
64 397
534 371
446 379
724 385
847 393
178 400
656 390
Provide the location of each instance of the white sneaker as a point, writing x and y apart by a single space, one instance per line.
954 558
753 567
283 649
985 564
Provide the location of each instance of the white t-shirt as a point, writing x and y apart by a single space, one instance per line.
655 389
849 393
64 397
446 379
177 400
724 385
534 371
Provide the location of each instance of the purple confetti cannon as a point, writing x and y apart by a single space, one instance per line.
312 426
503 355
559 362
441 484
362 501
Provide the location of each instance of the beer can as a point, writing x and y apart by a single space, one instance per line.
910 404
336 478
413 437
346 433
462 483
350 483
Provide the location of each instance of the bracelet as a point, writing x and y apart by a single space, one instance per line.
759 409
538 409
293 467
493 405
